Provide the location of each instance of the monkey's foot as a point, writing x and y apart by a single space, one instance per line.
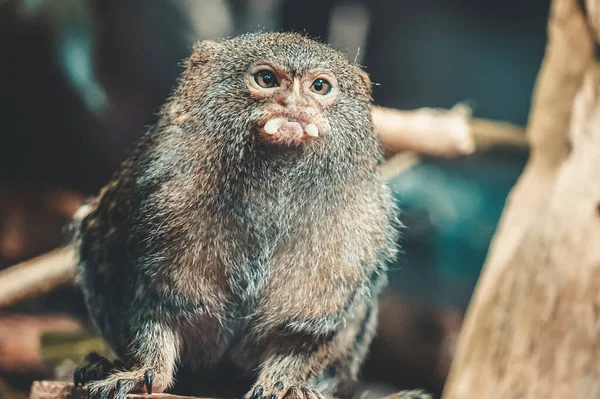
118 385
281 389
95 368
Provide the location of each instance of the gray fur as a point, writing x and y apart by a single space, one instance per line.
207 244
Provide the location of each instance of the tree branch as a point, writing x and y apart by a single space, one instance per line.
66 390
37 276
443 133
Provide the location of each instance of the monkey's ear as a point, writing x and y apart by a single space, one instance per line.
368 86
205 52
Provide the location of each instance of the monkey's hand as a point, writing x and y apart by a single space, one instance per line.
288 376
119 384
95 368
152 354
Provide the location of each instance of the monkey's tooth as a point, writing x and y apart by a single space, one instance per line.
312 130
272 126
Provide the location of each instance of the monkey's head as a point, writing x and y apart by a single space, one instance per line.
278 89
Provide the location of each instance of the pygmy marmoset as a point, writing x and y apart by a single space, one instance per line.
249 226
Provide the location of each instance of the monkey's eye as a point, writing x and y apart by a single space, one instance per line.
265 78
321 86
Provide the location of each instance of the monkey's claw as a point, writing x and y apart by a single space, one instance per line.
258 393
119 384
148 380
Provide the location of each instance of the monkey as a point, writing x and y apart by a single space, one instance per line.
249 227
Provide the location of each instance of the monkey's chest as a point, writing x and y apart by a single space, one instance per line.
295 274
310 278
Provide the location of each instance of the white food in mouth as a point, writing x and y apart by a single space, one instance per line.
273 125
312 130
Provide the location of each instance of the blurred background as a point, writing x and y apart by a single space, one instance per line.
81 79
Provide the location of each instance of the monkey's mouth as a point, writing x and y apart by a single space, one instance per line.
289 129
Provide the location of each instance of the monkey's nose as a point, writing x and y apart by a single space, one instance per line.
294 100
293 97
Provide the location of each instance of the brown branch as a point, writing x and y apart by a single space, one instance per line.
37 276
444 133
66 390
491 134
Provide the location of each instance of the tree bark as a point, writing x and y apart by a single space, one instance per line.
66 390
532 329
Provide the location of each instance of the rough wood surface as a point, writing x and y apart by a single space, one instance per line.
66 390
532 329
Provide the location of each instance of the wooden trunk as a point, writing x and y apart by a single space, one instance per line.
533 326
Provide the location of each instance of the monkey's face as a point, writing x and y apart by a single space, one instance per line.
294 104
281 89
